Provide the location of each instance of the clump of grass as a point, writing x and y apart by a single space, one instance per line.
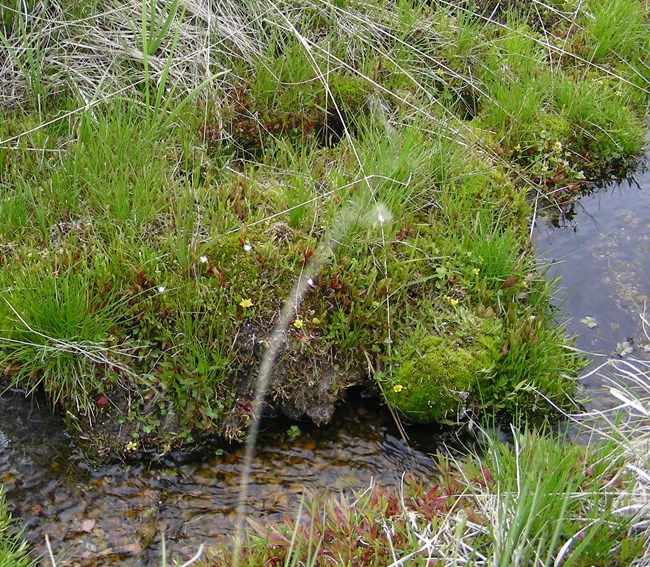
55 331
169 172
616 29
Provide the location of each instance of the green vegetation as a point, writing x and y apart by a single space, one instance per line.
168 173
459 365
13 553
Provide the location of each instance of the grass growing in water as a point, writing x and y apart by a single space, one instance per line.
13 553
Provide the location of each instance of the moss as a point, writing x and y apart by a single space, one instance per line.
438 362
186 255
436 383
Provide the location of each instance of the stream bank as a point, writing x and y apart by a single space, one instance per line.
120 513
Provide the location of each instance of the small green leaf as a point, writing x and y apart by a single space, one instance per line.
293 432
589 321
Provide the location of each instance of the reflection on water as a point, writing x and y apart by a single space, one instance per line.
121 515
601 251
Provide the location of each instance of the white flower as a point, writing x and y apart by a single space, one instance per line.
248 247
203 259
161 289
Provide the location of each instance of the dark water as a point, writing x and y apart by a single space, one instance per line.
600 248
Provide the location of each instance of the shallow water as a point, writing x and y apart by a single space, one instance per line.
117 515
601 250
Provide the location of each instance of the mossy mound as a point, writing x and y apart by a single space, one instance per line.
436 384
438 367
382 155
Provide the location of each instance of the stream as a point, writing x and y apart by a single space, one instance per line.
116 515
600 250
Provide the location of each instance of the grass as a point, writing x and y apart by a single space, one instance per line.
13 552
206 207
169 172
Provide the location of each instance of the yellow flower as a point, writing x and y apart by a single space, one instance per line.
518 148
397 388
298 323
246 303
131 446
315 321
440 71
476 271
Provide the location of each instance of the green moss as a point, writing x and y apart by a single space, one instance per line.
436 383
436 366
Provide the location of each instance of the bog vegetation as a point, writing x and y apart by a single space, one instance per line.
169 171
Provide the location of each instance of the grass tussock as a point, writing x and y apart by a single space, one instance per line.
169 171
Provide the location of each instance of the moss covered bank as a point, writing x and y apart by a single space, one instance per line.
163 194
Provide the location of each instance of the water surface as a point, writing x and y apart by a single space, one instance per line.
118 515
600 248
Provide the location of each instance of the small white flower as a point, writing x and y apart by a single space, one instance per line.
247 247
161 289
203 259
310 282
